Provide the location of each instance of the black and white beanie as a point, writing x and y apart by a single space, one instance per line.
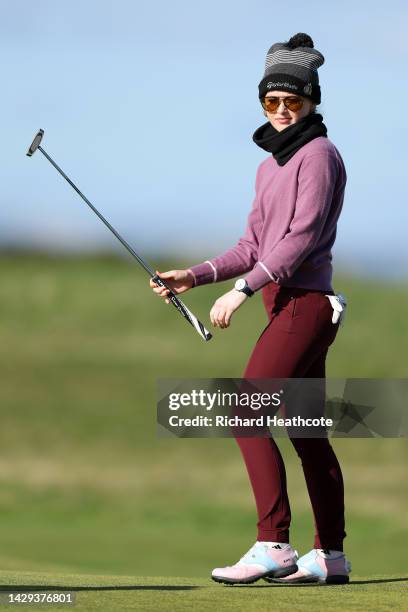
292 67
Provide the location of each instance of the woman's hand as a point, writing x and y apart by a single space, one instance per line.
225 306
179 281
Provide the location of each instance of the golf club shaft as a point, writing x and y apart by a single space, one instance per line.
177 303
96 211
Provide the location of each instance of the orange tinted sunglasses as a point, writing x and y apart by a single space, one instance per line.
271 104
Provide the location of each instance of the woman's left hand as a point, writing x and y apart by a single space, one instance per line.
225 306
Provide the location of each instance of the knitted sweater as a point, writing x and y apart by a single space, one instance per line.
292 225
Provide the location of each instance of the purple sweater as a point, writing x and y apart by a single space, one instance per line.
292 225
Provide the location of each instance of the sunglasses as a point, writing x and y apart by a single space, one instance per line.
271 104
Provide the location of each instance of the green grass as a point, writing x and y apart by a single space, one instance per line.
85 484
104 592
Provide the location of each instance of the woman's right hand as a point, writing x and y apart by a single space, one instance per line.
179 281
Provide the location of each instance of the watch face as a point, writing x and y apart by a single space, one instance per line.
240 284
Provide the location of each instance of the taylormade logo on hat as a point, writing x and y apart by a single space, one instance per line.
276 85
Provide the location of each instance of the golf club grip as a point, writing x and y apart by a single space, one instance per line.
183 310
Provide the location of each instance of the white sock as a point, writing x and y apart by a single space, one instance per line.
329 553
275 544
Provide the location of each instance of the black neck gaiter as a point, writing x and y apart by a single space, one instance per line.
283 145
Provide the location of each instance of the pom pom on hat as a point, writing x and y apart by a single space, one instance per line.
300 40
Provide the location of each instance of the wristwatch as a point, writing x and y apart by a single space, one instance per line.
242 286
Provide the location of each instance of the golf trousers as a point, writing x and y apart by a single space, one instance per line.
294 345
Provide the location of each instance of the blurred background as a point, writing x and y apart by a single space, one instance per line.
150 109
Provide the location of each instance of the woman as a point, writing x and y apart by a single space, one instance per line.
286 252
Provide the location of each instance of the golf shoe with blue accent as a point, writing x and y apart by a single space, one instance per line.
319 566
263 559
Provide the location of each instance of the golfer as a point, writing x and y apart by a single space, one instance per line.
286 252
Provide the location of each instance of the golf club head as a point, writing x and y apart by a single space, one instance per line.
36 143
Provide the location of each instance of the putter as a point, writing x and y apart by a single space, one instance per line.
183 310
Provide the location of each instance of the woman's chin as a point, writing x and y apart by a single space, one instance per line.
281 125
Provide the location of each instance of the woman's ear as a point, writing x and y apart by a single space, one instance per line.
265 113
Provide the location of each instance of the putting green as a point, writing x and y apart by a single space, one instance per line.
116 593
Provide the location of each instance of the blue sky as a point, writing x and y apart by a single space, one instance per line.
150 108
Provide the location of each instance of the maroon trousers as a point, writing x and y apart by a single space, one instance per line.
294 345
